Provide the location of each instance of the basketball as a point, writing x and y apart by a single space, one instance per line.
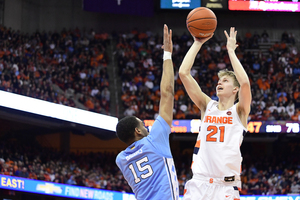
201 22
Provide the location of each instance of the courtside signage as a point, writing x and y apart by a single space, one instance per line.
55 189
57 111
71 191
275 197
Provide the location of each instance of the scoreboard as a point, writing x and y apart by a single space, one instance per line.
180 4
273 127
193 125
191 4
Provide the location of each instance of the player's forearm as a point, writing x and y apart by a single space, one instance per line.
189 59
166 103
238 69
167 80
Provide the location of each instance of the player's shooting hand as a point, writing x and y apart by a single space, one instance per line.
168 44
231 40
202 40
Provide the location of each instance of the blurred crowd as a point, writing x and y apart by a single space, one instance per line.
270 174
74 61
96 170
266 175
273 73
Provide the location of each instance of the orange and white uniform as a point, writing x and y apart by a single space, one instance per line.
217 158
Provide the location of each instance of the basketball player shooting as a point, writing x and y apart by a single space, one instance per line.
217 158
147 163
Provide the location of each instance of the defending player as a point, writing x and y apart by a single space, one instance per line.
217 159
147 163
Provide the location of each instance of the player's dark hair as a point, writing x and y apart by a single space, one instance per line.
126 127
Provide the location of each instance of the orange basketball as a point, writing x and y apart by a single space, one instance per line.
201 22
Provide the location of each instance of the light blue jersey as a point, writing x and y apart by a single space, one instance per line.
148 165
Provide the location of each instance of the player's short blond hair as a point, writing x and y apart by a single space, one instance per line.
226 72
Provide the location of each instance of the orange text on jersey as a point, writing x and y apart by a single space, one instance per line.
218 120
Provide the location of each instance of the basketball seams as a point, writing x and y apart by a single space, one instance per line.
201 29
196 12
192 26
201 19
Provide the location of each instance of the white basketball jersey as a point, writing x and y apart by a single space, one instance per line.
217 151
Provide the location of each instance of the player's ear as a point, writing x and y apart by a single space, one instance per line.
137 130
236 89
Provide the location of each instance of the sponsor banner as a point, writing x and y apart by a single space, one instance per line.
215 4
56 189
72 191
279 6
275 197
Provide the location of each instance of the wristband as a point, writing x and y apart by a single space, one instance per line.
167 55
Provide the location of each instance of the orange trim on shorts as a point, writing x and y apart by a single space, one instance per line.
184 191
198 144
236 199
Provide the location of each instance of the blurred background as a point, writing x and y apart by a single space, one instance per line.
70 69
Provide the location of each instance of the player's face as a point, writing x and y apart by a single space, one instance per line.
225 86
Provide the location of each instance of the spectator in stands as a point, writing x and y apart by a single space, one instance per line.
265 37
292 38
129 111
105 94
24 173
296 93
288 70
256 66
180 114
295 188
290 108
285 37
295 116
71 180
221 64
263 84
281 108
296 71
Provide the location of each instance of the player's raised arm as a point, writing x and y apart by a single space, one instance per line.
245 91
193 89
167 81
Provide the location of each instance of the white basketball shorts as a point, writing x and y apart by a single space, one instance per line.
211 189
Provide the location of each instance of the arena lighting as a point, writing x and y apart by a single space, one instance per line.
78 192
57 111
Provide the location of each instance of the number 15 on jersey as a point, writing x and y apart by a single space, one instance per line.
145 168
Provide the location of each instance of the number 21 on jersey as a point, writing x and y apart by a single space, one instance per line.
214 130
141 169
